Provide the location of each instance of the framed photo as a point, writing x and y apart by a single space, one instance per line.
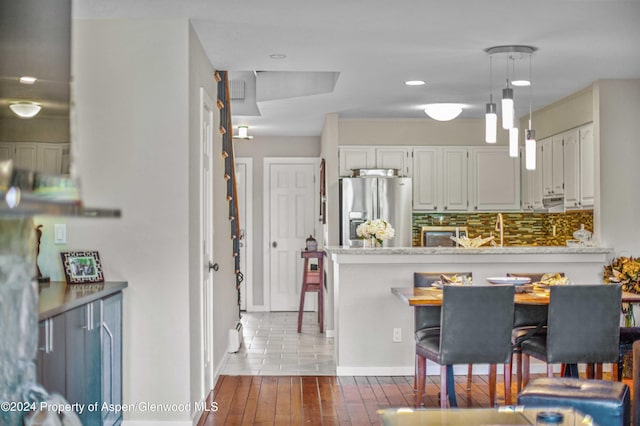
82 267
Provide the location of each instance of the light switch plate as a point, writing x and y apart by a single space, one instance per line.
60 233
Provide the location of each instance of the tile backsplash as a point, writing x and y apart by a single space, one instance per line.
520 228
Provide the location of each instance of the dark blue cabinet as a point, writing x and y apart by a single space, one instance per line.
80 357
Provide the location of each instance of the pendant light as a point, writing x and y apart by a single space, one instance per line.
508 110
491 117
513 142
513 53
530 140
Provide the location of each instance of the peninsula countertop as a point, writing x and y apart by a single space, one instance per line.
57 297
463 251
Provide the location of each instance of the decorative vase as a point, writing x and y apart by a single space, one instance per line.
371 243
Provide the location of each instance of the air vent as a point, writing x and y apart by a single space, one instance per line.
236 89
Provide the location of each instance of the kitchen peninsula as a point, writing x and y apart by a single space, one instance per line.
366 312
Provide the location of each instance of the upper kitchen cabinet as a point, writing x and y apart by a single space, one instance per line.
494 181
571 161
49 158
587 166
531 182
356 157
579 167
552 165
440 178
380 157
396 157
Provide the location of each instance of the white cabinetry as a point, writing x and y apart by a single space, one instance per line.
579 167
440 178
571 168
494 181
394 158
531 182
587 166
552 166
42 157
361 157
381 157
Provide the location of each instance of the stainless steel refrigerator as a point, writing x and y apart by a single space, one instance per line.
373 197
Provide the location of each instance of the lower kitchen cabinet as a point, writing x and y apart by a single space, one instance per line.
52 354
80 358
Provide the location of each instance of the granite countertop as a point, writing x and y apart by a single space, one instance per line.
457 250
57 297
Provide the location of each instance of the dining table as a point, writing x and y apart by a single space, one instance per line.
432 296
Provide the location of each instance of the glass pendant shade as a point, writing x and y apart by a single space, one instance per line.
491 123
507 108
530 150
513 142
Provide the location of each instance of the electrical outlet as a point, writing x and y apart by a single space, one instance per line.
397 335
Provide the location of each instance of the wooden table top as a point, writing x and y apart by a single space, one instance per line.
431 296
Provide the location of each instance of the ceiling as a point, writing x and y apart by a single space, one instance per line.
376 45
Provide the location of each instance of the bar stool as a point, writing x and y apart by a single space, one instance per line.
312 281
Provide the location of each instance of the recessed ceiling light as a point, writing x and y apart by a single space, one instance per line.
521 83
277 56
27 80
414 82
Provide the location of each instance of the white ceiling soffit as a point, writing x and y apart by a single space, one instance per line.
248 105
272 85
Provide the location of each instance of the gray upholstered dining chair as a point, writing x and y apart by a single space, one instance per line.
475 327
583 327
527 320
428 317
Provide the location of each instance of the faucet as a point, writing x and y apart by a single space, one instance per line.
500 227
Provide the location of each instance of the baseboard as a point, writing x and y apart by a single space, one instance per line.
434 370
156 422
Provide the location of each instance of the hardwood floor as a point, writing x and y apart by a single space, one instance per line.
327 400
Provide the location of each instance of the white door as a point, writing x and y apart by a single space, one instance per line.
206 218
291 210
244 178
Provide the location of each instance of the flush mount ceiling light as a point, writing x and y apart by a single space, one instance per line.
414 82
25 109
278 56
243 133
443 111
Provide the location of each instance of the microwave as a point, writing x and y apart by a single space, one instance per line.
440 236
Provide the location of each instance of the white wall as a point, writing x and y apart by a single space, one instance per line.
617 126
135 88
464 131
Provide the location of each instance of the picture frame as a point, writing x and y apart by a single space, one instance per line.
82 267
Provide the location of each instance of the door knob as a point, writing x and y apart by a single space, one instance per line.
274 244
213 266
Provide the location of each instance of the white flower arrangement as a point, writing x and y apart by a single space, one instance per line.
379 229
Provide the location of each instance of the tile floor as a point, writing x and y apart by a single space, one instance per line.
272 346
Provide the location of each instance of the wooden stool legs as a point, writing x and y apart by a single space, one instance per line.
312 281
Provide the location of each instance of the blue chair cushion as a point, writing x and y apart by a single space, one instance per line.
607 402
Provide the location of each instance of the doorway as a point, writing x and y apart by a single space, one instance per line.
291 208
244 185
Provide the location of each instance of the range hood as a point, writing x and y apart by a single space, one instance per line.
553 204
